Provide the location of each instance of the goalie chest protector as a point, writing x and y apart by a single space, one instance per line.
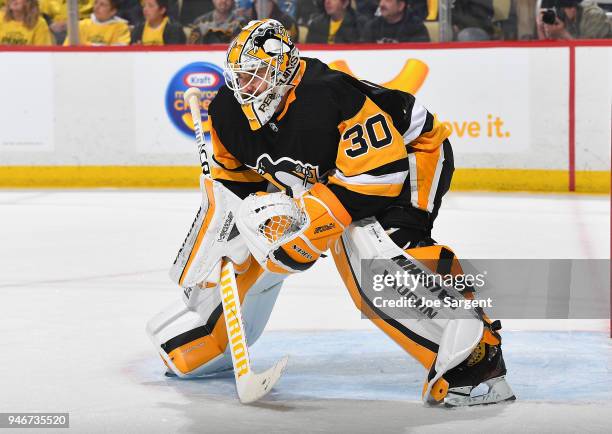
300 146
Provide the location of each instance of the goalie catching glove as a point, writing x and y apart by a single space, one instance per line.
287 235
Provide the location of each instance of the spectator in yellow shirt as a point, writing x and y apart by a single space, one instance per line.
22 24
104 27
49 9
57 15
157 29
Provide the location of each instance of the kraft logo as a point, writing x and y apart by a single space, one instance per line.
206 76
203 80
410 78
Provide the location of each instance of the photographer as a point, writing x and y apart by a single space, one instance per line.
572 19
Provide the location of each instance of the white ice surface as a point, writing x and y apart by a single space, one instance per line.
82 271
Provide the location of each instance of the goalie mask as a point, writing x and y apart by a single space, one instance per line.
261 66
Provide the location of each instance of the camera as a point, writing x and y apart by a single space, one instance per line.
549 16
551 9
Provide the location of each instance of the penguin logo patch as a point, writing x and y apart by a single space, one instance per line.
290 175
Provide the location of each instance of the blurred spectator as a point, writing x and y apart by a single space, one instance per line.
244 9
573 19
306 11
157 29
56 13
186 11
22 24
271 10
104 27
505 20
85 8
289 7
248 10
473 20
338 24
366 8
49 9
131 11
417 9
395 24
217 26
526 19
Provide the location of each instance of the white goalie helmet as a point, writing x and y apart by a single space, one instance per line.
261 65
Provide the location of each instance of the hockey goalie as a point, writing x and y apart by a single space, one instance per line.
307 160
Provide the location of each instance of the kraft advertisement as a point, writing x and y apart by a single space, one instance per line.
467 99
507 107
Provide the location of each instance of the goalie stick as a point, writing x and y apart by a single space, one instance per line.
249 385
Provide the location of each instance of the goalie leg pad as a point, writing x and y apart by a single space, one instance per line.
441 341
366 239
192 340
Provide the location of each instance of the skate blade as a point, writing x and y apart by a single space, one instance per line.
499 391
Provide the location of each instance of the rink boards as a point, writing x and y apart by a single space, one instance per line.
523 116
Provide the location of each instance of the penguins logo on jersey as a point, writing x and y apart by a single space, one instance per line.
288 174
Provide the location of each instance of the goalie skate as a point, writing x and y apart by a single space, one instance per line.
499 391
485 367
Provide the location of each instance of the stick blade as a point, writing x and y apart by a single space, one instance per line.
252 387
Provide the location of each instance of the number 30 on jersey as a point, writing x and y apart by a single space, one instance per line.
373 133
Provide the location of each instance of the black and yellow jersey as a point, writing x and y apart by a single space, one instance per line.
369 144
